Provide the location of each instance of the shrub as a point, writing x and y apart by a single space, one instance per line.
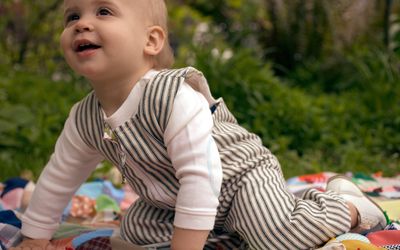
33 109
309 131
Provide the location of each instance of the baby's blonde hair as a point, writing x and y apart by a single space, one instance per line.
158 15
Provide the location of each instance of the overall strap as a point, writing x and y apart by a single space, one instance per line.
157 101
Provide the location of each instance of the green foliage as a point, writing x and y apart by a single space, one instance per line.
394 33
354 130
30 31
33 109
334 107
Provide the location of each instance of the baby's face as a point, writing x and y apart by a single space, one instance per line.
104 37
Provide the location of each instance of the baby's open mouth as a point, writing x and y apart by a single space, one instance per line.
86 46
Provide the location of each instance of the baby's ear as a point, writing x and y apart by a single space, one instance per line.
155 40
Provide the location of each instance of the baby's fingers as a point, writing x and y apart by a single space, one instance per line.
49 247
29 244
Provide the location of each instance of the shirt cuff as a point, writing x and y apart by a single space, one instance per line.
203 221
37 231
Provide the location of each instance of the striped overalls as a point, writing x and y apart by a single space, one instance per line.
255 209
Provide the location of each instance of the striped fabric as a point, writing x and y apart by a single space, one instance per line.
254 202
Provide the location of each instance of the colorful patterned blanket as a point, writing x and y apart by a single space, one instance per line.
91 220
384 191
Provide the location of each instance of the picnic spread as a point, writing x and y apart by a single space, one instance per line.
91 219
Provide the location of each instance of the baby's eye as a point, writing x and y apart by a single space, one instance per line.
104 12
71 17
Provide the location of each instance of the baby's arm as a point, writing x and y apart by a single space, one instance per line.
186 239
32 244
69 166
195 157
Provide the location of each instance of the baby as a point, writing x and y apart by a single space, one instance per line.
203 180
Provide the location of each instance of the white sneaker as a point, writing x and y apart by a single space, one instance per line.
371 216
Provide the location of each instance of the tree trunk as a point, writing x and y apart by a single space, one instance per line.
386 23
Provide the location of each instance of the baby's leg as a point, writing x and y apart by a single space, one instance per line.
144 224
267 216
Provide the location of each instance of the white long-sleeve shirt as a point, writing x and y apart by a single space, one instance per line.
190 147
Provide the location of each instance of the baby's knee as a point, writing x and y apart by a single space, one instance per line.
131 233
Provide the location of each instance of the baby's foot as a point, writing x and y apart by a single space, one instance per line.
371 216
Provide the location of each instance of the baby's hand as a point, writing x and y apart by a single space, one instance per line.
30 244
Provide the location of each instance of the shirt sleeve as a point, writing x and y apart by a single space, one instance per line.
69 166
195 157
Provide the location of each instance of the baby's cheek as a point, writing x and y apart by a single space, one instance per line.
64 41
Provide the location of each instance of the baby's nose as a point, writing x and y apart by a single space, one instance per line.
83 26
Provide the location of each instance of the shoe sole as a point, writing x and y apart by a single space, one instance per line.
362 193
